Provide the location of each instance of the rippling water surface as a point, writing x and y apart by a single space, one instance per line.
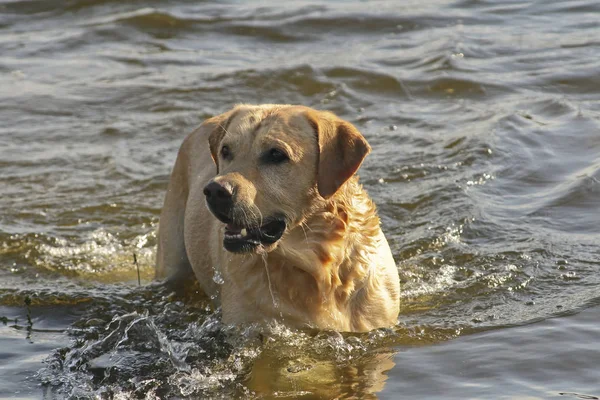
484 118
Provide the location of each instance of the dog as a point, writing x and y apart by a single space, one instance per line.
264 208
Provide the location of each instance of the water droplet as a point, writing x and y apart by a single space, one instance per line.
218 278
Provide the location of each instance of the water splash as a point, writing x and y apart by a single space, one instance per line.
102 256
154 346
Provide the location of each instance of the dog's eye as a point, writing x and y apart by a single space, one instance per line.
274 156
225 152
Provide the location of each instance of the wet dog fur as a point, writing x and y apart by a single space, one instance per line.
264 208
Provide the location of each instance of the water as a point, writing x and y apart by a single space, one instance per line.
484 118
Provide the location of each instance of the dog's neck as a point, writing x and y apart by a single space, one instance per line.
333 243
319 265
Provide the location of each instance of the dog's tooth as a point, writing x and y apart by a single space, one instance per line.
243 232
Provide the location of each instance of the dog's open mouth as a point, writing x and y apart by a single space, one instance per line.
238 240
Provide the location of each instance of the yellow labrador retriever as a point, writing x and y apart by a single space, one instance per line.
264 208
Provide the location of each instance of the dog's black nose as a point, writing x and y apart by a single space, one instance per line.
219 198
216 192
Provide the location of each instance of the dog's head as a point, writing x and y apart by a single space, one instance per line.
274 164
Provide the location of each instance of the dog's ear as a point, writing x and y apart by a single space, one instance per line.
342 149
218 126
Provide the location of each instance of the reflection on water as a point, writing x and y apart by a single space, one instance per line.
484 121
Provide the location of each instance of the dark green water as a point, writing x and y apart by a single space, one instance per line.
484 118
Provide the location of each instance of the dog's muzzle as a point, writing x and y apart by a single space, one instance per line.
239 240
241 236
